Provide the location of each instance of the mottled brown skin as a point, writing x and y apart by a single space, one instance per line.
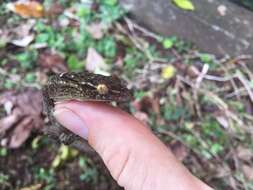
82 86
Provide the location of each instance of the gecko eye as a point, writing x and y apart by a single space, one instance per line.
102 89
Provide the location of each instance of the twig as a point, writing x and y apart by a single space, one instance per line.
217 78
246 84
143 30
249 117
137 42
130 25
247 70
220 103
240 58
201 75
196 87
232 81
239 92
232 62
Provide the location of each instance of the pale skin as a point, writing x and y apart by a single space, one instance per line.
135 157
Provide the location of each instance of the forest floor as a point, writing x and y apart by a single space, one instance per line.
199 105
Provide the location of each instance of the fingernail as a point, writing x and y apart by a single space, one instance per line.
71 121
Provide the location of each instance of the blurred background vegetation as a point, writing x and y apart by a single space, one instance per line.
198 104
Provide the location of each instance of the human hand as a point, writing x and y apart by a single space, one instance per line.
135 157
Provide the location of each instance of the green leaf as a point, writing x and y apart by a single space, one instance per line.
109 14
184 4
107 46
82 162
22 57
74 64
35 143
56 162
171 113
3 62
27 59
168 43
216 148
40 26
139 94
206 154
205 57
111 2
64 152
251 83
30 77
3 152
83 11
9 84
42 38
4 178
2 43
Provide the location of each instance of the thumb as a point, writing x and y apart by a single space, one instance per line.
134 156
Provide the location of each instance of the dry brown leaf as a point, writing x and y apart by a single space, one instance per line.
193 71
33 187
55 9
7 122
25 115
221 172
52 61
244 154
232 182
95 30
95 62
223 121
24 41
27 9
248 171
20 36
179 150
119 62
148 104
142 116
21 133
